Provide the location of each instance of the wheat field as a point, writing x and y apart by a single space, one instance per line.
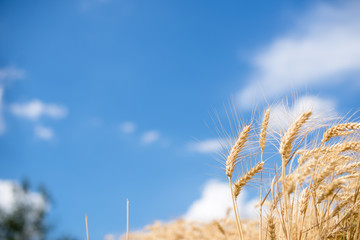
313 192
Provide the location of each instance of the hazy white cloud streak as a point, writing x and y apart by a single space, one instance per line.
323 48
35 109
205 146
150 137
44 133
11 73
283 114
7 74
128 127
2 122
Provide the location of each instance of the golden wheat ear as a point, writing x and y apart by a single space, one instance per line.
241 182
271 227
289 136
340 130
234 153
264 126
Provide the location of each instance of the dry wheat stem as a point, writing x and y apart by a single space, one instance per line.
238 223
87 228
127 219
285 151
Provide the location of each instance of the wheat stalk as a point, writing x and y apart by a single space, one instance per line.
87 227
285 151
127 219
262 141
230 166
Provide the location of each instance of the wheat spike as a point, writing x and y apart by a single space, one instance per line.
338 130
288 138
240 183
329 169
239 144
220 228
265 124
271 227
339 148
329 189
304 201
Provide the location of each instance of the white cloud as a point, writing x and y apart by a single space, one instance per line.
44 133
2 122
35 109
150 137
323 49
11 73
109 237
215 202
7 74
205 146
6 195
32 110
282 115
9 198
128 127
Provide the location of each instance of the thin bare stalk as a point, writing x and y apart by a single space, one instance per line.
261 204
87 228
239 229
238 215
127 219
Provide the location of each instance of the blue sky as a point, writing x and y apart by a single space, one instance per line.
104 100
